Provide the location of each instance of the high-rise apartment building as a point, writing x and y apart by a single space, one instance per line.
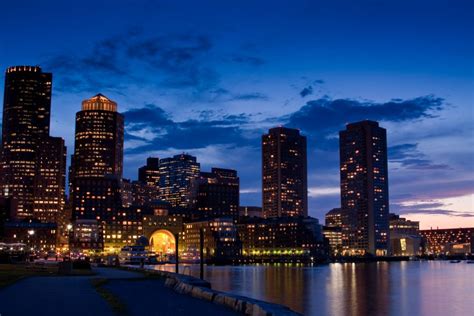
150 173
96 166
216 193
32 168
284 173
176 174
364 188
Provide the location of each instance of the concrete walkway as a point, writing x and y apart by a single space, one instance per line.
151 297
52 296
76 296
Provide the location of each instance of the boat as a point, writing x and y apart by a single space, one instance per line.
454 261
133 255
470 261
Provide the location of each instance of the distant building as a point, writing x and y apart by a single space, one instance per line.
281 239
405 239
39 236
50 181
333 218
284 173
250 211
124 230
86 235
221 240
97 163
137 193
364 188
216 193
150 173
333 234
333 230
176 174
450 241
32 164
402 226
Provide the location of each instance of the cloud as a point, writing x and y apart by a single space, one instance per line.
306 91
193 133
177 61
408 156
323 191
249 97
429 207
323 118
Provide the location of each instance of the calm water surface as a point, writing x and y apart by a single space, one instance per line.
396 288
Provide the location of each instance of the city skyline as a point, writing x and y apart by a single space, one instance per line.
431 173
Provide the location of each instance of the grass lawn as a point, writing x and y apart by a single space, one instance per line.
10 273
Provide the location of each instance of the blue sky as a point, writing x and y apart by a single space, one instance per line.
210 77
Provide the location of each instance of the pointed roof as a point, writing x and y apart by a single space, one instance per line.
99 102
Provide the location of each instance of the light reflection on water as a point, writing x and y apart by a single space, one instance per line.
396 288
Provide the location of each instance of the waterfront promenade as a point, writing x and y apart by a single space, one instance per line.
76 295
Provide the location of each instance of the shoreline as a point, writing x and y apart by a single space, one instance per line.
201 289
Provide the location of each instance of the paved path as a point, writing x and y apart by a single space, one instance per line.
52 296
75 296
151 297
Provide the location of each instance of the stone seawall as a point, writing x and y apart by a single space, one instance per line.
201 289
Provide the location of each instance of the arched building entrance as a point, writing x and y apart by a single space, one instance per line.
163 243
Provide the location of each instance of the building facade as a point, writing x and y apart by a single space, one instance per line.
50 181
216 193
281 239
451 241
364 188
176 175
221 240
284 173
150 173
97 163
32 165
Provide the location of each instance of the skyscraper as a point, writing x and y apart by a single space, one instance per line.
176 174
284 173
96 166
364 188
150 173
216 193
50 180
32 163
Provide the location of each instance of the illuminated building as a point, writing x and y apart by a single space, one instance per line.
221 241
403 226
39 236
32 168
334 236
50 181
123 230
216 193
281 239
96 166
284 172
86 235
137 193
176 174
448 241
333 218
163 230
364 188
250 211
405 239
150 173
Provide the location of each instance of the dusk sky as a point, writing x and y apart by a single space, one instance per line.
210 77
